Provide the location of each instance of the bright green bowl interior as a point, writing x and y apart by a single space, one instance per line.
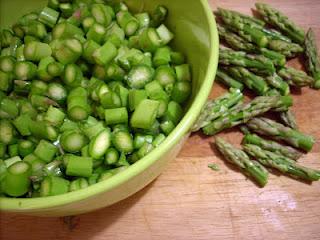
196 36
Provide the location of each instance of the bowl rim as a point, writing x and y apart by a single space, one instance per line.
23 204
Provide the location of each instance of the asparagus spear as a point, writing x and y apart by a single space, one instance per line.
268 127
238 58
224 78
252 81
313 62
244 27
282 22
238 43
235 41
244 113
288 118
245 18
277 82
272 146
281 163
254 23
285 48
240 159
295 77
216 107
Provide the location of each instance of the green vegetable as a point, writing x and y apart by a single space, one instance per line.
288 118
99 144
241 59
280 21
245 26
45 151
313 62
240 159
223 77
215 108
78 166
272 146
296 77
52 186
282 164
16 181
72 141
252 81
247 111
145 114
276 130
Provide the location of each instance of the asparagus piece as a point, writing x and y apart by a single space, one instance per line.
286 48
213 166
313 62
244 26
215 108
295 77
256 107
268 127
159 15
281 163
288 118
16 181
252 81
225 79
278 83
272 146
282 22
238 58
240 159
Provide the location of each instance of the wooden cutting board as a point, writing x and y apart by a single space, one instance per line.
190 201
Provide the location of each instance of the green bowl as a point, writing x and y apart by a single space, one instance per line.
196 36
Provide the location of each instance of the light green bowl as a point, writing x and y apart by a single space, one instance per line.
196 36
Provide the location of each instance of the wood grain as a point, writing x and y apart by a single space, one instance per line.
189 201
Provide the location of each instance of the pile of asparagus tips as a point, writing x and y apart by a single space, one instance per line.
254 56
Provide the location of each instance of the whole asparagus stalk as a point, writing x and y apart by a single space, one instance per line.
215 108
240 159
295 77
244 113
242 59
223 77
244 27
288 118
273 129
281 163
313 62
252 81
272 146
285 48
277 82
281 21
